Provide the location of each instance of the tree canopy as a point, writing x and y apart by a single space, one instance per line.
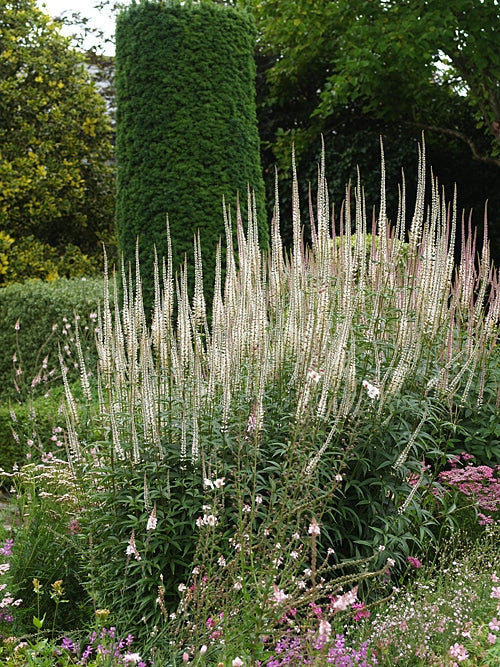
56 175
421 63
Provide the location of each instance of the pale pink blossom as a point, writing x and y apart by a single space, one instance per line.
278 595
459 652
314 528
325 629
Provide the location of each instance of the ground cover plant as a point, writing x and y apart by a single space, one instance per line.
249 484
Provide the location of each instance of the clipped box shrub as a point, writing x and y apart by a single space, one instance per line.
36 319
186 130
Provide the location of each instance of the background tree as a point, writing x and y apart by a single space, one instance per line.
56 175
356 70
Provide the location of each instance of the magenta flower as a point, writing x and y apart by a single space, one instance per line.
414 562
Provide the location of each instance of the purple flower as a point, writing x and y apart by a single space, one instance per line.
6 550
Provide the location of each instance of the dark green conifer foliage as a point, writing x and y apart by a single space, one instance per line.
186 128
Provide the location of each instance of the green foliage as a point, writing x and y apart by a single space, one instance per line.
327 390
47 552
186 129
28 428
356 54
31 259
55 173
304 46
44 313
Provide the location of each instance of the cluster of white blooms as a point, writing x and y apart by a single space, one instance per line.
371 389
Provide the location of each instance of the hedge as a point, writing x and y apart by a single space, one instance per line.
35 319
186 128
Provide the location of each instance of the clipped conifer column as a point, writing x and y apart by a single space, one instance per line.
186 131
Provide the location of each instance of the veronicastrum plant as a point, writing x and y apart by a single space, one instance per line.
326 385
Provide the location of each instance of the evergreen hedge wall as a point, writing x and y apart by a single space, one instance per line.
186 129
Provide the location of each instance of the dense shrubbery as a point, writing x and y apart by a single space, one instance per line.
36 318
31 259
283 467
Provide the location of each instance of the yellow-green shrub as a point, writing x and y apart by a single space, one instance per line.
29 258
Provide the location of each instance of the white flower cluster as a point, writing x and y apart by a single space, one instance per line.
371 389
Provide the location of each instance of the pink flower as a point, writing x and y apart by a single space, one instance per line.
414 562
314 528
492 638
494 625
237 662
185 657
361 611
278 595
458 651
325 629
495 592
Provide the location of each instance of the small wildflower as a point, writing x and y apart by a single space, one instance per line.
314 376
325 629
278 595
185 657
314 528
152 521
131 658
219 483
459 652
237 662
492 638
495 593
494 625
181 588
391 562
371 390
414 562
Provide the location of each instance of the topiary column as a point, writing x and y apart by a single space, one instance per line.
186 130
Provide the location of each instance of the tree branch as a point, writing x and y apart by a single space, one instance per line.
487 159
